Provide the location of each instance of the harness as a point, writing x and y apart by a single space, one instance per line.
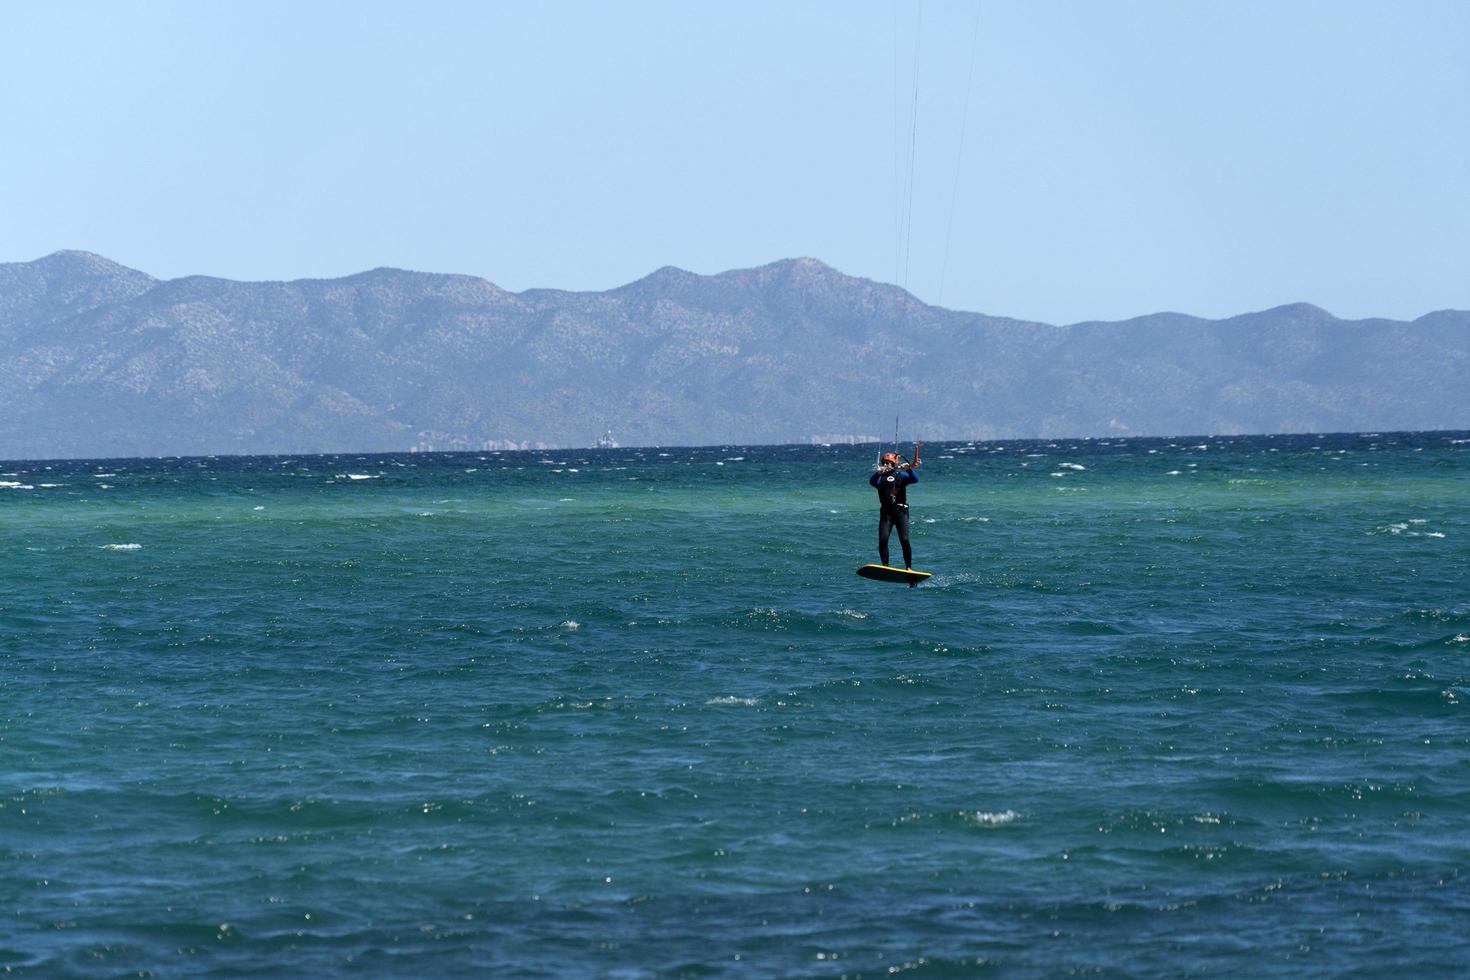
889 488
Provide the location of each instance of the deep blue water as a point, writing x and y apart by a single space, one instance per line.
1167 707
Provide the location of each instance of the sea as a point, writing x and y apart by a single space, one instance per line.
1167 707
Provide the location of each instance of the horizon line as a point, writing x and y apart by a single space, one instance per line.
1049 440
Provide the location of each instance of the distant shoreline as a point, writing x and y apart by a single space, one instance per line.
936 443
101 360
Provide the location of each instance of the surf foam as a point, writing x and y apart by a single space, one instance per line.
984 818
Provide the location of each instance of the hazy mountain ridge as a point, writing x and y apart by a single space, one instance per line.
97 359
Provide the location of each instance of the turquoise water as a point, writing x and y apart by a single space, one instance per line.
1167 707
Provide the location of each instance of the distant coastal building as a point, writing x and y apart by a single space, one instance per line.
431 441
841 439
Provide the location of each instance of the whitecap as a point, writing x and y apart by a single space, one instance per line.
987 819
122 547
1172 473
1070 466
850 613
12 485
357 476
731 699
258 507
570 624
930 520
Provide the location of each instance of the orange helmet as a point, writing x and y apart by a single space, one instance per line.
889 458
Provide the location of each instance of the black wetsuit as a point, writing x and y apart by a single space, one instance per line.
893 510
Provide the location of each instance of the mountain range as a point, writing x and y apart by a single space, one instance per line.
99 360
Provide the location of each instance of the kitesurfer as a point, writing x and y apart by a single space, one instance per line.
891 481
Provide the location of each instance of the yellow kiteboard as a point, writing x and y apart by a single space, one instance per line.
887 573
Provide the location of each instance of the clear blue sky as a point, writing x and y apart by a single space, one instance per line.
1118 158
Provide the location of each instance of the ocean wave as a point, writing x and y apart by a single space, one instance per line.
1407 528
1457 616
122 547
986 818
1092 627
732 699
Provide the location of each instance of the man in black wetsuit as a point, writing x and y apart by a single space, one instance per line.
892 481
